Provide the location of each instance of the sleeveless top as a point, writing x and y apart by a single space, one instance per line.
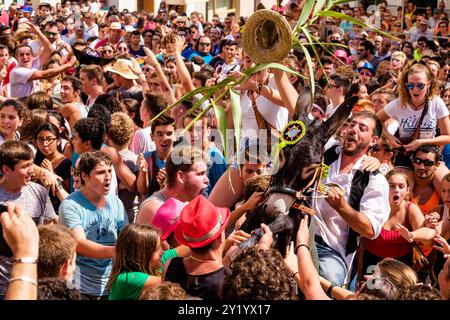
205 286
433 202
390 243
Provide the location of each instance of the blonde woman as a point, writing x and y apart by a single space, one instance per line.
419 111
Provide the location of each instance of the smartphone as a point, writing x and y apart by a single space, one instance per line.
5 250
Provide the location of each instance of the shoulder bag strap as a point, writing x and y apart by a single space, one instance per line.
262 123
416 133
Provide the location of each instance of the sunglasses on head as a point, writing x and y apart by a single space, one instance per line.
419 85
426 163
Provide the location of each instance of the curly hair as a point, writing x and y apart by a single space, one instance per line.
56 289
412 68
121 130
258 275
165 291
419 292
91 129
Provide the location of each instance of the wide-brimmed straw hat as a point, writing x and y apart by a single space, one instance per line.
122 67
116 26
201 223
267 37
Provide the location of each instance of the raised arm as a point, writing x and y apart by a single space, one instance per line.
22 237
165 86
309 277
286 90
124 173
183 72
47 49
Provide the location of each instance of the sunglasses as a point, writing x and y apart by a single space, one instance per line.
426 163
108 51
51 34
206 44
365 74
410 86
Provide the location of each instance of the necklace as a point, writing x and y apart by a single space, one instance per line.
417 107
201 260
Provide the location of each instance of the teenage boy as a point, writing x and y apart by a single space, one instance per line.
95 219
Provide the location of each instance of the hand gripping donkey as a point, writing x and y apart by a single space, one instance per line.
300 167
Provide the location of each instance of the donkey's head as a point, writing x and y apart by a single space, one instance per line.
300 163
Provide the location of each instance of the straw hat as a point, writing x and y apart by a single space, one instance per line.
267 37
122 67
116 26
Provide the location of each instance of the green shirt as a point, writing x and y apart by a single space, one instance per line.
128 286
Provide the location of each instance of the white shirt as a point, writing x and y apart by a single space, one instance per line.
374 205
21 86
142 142
408 118
276 115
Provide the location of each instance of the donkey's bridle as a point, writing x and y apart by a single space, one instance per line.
299 195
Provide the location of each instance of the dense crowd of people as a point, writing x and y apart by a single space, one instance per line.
112 189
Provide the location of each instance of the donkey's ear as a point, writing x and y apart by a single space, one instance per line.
332 125
304 104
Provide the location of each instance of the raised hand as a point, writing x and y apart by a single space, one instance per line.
20 232
266 240
404 232
442 246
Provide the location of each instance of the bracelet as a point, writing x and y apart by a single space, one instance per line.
301 245
293 275
25 279
30 260
330 288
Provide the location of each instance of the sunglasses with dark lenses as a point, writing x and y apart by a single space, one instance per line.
205 44
366 74
426 163
51 34
418 85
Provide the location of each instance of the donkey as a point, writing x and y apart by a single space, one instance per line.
299 166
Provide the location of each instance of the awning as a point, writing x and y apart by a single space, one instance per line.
184 2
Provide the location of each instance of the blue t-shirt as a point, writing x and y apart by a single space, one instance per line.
216 167
152 175
99 225
206 58
446 155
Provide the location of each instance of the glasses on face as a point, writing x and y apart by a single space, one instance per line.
47 140
205 44
51 34
365 74
426 163
122 49
419 85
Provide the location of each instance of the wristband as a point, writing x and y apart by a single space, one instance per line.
25 279
30 260
330 288
301 245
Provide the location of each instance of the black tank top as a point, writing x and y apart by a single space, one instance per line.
205 286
